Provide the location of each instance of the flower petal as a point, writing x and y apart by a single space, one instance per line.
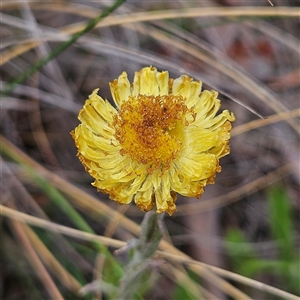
120 89
200 166
86 138
97 114
187 88
185 186
207 106
163 198
150 82
200 140
162 82
144 197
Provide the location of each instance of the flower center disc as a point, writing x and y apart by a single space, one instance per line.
150 129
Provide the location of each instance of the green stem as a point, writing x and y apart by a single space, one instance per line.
144 249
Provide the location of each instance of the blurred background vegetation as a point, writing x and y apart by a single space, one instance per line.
246 224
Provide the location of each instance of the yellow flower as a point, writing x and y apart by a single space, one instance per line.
163 138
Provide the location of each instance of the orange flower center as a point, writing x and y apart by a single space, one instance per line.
150 129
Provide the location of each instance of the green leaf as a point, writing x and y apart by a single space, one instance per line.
237 245
281 221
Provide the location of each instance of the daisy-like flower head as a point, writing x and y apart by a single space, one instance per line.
164 137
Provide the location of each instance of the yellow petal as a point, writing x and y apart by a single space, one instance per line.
165 202
207 106
120 89
200 140
150 82
185 186
85 137
97 114
144 197
198 166
162 82
189 89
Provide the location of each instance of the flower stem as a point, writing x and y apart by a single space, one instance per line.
144 248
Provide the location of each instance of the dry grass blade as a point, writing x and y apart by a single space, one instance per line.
249 54
47 225
220 283
238 76
207 275
44 97
51 262
172 13
6 56
61 48
281 36
39 133
36 263
169 253
232 276
114 221
27 202
157 15
183 280
238 193
267 121
185 13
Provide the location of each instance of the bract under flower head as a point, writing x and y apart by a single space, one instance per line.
164 138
